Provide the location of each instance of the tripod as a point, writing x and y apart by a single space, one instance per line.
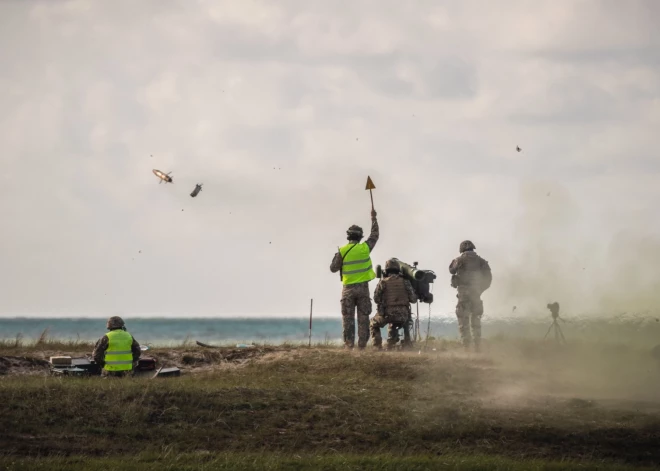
559 335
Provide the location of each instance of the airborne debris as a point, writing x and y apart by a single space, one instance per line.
163 177
518 148
198 188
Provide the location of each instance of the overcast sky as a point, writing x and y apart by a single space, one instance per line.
281 109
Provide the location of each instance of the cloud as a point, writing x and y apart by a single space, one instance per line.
430 100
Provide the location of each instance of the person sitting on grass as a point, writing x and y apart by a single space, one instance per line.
116 351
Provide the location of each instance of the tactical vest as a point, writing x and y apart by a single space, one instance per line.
119 356
356 267
394 292
472 271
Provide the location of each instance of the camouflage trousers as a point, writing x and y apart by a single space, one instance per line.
352 297
394 322
469 310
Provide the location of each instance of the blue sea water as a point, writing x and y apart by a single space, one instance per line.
274 330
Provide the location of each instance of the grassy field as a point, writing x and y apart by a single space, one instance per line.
519 405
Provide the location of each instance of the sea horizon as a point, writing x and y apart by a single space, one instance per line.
164 330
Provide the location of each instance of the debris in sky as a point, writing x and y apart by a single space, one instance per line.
514 309
548 193
518 149
198 188
139 251
163 177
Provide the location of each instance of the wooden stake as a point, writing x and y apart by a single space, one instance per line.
311 306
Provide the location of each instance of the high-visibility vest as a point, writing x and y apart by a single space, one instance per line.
119 356
356 267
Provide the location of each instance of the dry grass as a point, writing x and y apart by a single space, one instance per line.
590 404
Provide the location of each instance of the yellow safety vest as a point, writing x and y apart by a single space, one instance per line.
356 267
119 356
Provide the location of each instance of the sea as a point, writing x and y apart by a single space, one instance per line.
641 331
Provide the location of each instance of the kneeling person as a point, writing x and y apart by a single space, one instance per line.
117 350
393 296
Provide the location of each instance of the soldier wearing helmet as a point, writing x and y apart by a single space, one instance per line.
393 296
117 350
353 262
471 276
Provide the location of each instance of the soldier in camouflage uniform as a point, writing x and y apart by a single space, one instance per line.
392 296
353 261
471 276
102 348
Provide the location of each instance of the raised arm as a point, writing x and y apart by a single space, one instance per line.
373 237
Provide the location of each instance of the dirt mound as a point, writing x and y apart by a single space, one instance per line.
22 366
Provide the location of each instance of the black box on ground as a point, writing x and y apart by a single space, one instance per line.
146 364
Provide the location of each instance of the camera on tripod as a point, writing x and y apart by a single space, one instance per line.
559 335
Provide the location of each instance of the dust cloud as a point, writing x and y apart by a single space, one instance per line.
593 271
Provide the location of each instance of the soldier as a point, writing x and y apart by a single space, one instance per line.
116 351
393 296
353 261
471 276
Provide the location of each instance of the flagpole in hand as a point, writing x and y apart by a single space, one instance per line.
371 186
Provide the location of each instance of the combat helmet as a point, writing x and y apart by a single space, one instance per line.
466 245
392 266
115 322
354 232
